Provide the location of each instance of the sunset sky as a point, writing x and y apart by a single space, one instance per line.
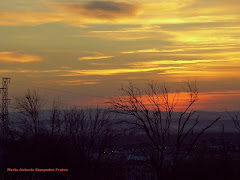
82 51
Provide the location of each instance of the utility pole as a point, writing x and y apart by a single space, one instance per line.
4 110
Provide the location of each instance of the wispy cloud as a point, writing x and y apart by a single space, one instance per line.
23 17
152 51
18 57
28 71
77 82
65 67
115 71
140 32
93 57
169 62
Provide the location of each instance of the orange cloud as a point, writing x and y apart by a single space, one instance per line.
210 101
207 101
17 57
218 100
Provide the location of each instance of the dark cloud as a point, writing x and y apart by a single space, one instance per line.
109 6
108 10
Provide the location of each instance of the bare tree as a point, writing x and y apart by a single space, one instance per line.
73 118
76 136
235 117
87 129
29 106
152 111
55 122
91 131
100 130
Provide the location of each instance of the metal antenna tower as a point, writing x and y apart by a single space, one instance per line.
5 102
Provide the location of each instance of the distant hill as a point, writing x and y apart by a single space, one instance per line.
205 119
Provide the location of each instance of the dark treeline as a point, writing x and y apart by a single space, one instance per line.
72 138
138 137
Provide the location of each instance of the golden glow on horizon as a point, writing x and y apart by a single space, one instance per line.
210 101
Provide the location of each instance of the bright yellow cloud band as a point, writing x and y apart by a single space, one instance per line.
18 57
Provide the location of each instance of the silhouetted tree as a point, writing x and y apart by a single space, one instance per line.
55 118
235 117
29 107
91 131
67 137
152 112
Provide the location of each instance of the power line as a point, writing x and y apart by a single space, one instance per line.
57 90
46 88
